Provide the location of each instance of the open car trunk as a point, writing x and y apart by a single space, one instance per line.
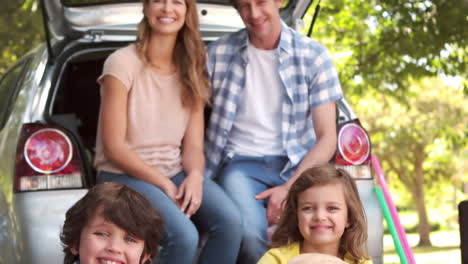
116 20
76 102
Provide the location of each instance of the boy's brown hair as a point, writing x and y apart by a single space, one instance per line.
120 205
354 237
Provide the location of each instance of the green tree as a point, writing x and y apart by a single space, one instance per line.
383 44
21 28
415 142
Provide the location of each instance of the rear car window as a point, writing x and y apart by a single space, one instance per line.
8 91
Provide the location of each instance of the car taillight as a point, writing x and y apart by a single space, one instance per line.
353 153
357 171
46 159
48 150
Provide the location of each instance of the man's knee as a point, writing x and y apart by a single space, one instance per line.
254 245
254 237
232 220
184 239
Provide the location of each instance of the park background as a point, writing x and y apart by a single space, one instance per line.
403 68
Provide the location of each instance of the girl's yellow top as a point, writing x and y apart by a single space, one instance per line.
283 255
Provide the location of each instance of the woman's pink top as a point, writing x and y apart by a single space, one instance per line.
156 120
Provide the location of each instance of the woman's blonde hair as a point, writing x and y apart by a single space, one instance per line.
189 55
355 235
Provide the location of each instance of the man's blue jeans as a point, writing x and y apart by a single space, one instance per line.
243 177
217 216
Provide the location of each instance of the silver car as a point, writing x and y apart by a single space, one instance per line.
49 102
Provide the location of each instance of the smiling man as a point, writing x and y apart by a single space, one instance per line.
273 115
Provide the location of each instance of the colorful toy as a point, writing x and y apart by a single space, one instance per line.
393 211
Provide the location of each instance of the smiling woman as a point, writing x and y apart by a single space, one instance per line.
150 132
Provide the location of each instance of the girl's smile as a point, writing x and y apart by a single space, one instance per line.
322 218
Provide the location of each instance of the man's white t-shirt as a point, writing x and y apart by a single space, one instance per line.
256 130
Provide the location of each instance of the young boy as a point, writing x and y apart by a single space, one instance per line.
111 224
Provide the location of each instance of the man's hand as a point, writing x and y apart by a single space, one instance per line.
276 197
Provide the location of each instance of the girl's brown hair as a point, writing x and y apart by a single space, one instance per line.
189 55
354 237
120 205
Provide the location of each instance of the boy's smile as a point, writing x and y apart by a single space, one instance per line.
102 242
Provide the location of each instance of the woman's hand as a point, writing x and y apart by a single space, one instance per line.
191 193
170 189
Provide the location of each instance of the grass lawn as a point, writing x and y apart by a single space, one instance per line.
445 249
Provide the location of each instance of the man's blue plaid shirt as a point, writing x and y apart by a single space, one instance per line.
309 78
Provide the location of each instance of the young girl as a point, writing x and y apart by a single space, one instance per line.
323 214
111 224
150 133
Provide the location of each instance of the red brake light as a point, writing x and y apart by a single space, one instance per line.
46 159
48 150
353 144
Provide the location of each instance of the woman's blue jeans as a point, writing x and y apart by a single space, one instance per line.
217 216
243 177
